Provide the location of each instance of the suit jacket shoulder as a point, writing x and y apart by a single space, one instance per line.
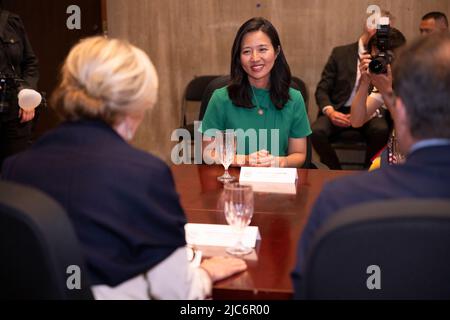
425 167
351 48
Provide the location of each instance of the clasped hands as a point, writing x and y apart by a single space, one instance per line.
263 158
339 119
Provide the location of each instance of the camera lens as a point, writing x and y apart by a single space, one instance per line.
378 65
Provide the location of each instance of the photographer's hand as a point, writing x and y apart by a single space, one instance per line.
364 68
383 82
367 34
26 116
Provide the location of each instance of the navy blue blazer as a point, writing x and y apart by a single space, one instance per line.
122 201
426 174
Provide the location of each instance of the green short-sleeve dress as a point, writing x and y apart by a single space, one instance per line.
262 127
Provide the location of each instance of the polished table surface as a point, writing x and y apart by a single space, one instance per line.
280 218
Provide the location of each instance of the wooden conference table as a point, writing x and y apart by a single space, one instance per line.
280 218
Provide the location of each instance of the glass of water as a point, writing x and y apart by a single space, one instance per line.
226 150
238 210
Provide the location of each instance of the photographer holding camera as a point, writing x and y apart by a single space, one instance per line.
334 95
18 79
375 88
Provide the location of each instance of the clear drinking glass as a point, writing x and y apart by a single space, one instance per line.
238 210
226 149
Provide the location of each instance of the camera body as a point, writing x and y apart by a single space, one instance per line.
9 87
379 63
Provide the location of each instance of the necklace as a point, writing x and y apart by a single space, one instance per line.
260 110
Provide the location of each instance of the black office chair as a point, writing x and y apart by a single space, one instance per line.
296 83
350 147
37 245
407 239
193 92
300 85
216 83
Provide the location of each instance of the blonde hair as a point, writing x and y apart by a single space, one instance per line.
105 79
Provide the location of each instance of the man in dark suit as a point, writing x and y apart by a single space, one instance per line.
334 96
422 123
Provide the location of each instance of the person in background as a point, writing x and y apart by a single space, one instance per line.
259 97
334 95
433 22
364 106
421 116
18 77
122 201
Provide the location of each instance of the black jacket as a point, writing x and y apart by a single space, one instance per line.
14 40
338 77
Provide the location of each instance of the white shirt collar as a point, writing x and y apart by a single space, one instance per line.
429 143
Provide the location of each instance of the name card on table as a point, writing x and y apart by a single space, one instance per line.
221 235
271 180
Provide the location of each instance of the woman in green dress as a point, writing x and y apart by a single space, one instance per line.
268 116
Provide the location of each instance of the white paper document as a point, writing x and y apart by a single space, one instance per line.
270 180
219 235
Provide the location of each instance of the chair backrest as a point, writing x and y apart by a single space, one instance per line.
300 85
351 147
37 247
216 83
396 249
223 81
194 92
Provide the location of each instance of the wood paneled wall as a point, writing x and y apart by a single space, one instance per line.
187 38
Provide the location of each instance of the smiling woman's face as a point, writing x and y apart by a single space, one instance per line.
257 58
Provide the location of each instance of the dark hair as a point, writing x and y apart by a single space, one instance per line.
280 75
396 39
436 15
421 78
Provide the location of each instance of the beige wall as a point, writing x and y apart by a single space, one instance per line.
187 38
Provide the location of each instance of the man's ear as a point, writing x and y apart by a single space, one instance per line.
402 126
401 119
400 111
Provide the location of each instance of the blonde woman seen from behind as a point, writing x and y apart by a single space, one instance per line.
122 201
